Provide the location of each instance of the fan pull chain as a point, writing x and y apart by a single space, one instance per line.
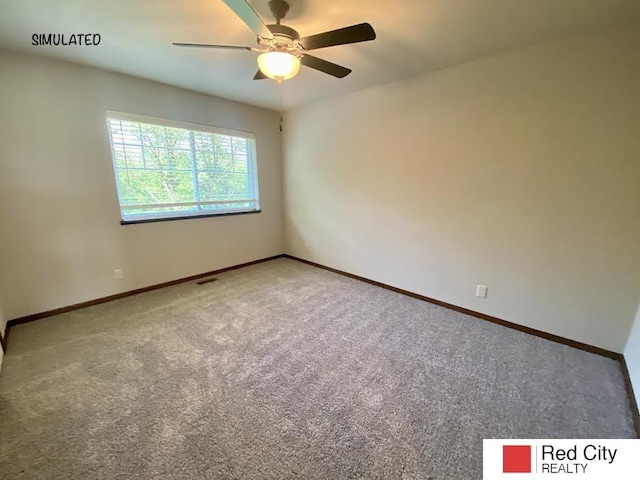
280 95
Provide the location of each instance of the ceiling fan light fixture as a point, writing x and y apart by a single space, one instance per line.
279 65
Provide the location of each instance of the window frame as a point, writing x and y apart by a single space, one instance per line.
252 167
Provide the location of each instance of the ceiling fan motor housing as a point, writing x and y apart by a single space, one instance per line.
284 31
286 38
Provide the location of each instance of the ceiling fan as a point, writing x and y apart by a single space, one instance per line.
281 48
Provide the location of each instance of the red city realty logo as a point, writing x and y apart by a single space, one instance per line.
516 458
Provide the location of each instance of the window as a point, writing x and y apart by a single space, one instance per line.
169 170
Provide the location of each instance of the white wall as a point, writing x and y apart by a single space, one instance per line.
632 356
60 215
518 171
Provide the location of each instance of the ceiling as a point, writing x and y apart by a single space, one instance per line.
414 36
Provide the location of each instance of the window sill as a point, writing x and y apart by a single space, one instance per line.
185 217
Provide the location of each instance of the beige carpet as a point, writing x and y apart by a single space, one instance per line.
282 370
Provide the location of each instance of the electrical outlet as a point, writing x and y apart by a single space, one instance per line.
481 291
118 274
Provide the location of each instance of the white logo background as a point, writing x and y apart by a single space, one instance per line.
625 464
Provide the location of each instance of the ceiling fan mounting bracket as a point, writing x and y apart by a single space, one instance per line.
279 9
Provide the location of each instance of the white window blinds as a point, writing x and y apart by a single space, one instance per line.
170 169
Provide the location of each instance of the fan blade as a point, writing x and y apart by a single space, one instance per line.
324 66
248 15
205 45
353 34
259 75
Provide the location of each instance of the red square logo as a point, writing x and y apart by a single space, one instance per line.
516 458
